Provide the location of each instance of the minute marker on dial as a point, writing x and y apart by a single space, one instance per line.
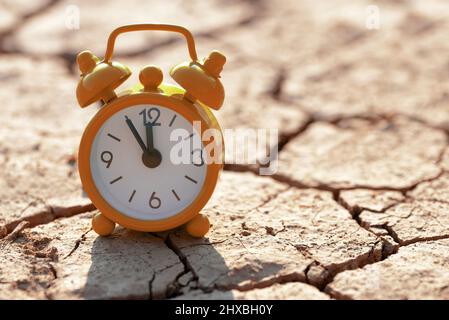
113 137
190 179
115 180
175 194
132 196
172 121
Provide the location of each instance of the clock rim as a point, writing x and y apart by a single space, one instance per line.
175 104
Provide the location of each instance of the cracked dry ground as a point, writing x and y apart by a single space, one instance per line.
358 209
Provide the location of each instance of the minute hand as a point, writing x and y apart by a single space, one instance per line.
136 134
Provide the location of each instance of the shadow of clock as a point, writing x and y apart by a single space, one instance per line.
137 265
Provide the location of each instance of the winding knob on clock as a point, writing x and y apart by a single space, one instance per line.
150 77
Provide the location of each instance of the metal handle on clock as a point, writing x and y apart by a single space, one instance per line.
150 27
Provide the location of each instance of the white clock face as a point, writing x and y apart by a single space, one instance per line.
131 162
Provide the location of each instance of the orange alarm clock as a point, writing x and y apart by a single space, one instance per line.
127 151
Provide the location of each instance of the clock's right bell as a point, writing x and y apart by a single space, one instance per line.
201 80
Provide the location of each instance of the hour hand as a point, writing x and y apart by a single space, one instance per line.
149 131
153 157
136 134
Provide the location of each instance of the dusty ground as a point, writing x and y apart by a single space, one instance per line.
359 208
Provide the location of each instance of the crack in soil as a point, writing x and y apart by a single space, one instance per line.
78 243
385 255
388 249
326 187
284 139
270 198
150 286
319 275
173 289
50 214
252 285
16 231
403 243
276 90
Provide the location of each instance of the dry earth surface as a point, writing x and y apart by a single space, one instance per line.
358 208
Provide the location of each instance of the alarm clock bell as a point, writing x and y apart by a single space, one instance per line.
98 79
201 80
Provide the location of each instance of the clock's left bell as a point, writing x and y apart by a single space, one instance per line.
98 79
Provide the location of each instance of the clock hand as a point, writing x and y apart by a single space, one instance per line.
136 134
149 129
152 157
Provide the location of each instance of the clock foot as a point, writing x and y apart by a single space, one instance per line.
198 226
102 225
